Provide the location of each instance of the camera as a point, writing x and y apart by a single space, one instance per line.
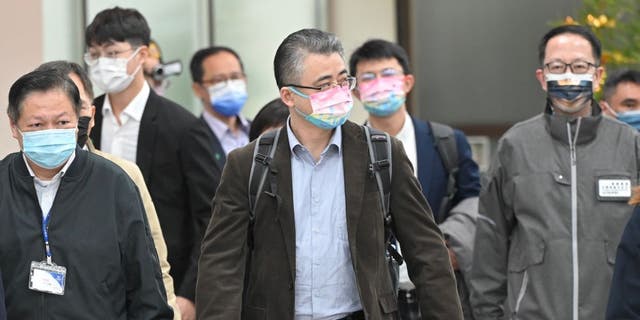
162 71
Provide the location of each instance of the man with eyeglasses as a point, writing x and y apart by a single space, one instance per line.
318 244
171 146
220 84
384 80
554 204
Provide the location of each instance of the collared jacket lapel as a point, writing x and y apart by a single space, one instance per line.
354 157
282 171
426 155
218 153
147 135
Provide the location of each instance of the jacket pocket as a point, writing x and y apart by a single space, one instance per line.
388 303
251 313
521 257
520 262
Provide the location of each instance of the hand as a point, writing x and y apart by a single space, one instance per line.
187 308
452 257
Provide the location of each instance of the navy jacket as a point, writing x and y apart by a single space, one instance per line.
3 312
624 295
433 175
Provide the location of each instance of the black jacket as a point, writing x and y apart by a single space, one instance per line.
3 311
175 156
97 230
624 295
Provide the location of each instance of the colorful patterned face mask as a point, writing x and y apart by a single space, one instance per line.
331 108
569 87
382 96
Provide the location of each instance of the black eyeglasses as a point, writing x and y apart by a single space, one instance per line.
577 67
346 83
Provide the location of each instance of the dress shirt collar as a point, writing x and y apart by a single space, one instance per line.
219 128
336 139
135 108
57 176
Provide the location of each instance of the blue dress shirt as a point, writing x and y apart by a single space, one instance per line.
325 279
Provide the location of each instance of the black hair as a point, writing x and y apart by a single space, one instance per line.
288 61
582 31
40 81
377 49
118 24
617 77
67 67
197 72
273 114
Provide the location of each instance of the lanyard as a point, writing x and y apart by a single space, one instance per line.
45 235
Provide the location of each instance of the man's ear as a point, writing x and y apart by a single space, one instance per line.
287 96
540 77
607 110
598 78
199 91
143 53
93 117
356 93
14 130
409 81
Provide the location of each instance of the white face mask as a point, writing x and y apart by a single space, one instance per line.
110 74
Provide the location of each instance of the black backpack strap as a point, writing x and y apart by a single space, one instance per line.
445 142
263 153
379 144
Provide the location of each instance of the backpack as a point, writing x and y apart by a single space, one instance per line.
445 142
379 144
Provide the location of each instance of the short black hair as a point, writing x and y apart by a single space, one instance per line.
582 31
118 24
67 67
273 114
617 77
288 63
40 81
197 72
378 49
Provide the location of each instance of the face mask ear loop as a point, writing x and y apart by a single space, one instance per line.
297 92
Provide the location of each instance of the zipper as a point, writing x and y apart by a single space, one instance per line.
574 218
523 290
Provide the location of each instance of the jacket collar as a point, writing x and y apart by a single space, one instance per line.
557 124
74 171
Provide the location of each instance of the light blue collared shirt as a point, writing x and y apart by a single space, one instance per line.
325 280
228 140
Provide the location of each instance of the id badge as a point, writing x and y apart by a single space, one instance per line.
614 189
48 278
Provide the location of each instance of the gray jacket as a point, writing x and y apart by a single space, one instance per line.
551 216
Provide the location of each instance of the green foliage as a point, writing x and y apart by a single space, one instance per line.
617 24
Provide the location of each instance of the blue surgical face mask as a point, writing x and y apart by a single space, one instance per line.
229 97
631 118
49 149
